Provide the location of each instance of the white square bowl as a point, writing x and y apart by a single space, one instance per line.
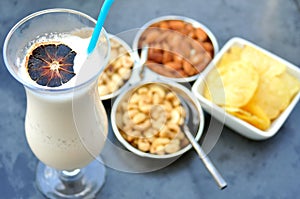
231 121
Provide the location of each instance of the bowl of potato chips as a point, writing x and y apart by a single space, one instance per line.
249 89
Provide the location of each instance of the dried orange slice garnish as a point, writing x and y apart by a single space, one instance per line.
51 64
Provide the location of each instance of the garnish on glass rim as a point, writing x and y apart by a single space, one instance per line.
51 64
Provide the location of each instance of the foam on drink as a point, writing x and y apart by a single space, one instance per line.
84 66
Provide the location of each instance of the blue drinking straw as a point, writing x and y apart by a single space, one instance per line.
101 18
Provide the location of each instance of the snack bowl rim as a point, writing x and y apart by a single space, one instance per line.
233 122
140 153
132 56
195 24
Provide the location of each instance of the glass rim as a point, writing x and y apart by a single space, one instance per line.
39 13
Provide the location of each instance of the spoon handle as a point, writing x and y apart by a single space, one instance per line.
205 159
139 66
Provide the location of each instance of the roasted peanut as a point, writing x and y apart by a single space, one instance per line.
166 48
160 142
173 146
155 56
138 118
151 35
117 79
173 128
130 138
122 51
158 90
200 34
176 25
132 112
164 34
143 145
173 65
197 59
167 106
160 150
185 49
175 102
143 126
175 117
117 71
132 106
112 86
167 56
103 90
144 107
134 99
170 96
156 98
126 62
164 25
208 46
142 90
156 112
177 58
150 133
174 41
164 133
189 69
158 124
181 110
135 133
124 73
160 69
189 27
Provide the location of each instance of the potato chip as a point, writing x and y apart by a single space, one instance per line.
252 114
291 83
272 96
233 54
214 89
240 81
264 64
206 92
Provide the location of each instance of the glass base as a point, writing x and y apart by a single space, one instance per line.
80 183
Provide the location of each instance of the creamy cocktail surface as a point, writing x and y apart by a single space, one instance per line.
66 129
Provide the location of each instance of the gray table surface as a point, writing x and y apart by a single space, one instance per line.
266 169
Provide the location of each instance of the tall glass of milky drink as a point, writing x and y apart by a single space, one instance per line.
66 123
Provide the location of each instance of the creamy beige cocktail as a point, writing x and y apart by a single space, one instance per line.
66 130
65 123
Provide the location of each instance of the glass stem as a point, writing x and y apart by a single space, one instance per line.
72 181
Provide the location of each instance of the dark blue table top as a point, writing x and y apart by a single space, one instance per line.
265 169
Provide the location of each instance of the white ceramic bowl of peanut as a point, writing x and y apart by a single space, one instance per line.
118 70
179 47
147 119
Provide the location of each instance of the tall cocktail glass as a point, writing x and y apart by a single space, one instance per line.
66 125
